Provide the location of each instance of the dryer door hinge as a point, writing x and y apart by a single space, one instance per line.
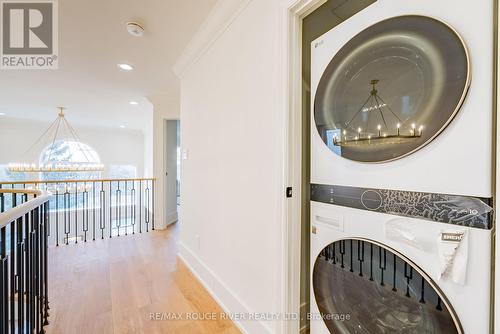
289 192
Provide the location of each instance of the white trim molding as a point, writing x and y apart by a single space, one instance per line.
495 307
220 17
172 218
227 299
293 12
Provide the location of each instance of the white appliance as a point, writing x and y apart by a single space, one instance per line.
457 161
470 302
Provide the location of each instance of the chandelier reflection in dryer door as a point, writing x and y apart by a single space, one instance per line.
401 202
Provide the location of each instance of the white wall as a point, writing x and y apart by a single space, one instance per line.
232 190
114 146
148 148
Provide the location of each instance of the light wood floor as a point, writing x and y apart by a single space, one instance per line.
114 285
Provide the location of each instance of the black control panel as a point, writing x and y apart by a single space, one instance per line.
451 209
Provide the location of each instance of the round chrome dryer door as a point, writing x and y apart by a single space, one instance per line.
392 89
363 287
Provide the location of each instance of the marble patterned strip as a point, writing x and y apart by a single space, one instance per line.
451 209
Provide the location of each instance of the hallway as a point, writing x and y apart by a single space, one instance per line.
115 285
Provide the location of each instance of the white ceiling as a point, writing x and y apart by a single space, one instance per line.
92 41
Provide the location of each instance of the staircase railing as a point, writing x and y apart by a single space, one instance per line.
86 210
23 260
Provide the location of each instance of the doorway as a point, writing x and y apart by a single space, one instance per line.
172 170
320 18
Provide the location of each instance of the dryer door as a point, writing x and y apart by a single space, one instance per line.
392 89
364 287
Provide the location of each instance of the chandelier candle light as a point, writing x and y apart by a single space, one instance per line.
53 132
375 104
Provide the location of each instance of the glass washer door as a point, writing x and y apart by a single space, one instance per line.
363 287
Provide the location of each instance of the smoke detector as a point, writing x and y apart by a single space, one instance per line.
135 29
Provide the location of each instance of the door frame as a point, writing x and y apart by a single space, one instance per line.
293 12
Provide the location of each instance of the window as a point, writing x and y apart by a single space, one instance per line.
7 176
122 172
73 152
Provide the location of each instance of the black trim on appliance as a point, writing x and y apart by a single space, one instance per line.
451 209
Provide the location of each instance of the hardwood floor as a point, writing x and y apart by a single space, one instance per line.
129 284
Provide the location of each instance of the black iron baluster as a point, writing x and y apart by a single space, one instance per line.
29 276
438 306
371 262
408 276
351 255
22 277
382 265
37 271
146 212
67 216
26 273
422 299
32 277
333 253
110 208
41 295
4 280
140 206
26 281
153 206
48 215
3 292
118 203
394 273
361 256
84 213
126 208
134 206
342 252
46 268
102 210
93 210
76 212
12 279
57 215
19 273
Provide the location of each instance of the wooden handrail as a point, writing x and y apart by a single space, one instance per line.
74 181
17 212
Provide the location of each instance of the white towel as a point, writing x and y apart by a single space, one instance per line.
453 251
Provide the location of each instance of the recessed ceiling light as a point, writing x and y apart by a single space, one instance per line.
125 67
122 126
134 103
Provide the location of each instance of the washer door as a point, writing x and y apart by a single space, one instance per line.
392 89
363 287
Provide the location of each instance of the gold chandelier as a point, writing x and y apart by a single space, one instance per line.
54 131
352 136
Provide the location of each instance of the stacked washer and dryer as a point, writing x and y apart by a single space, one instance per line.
401 170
